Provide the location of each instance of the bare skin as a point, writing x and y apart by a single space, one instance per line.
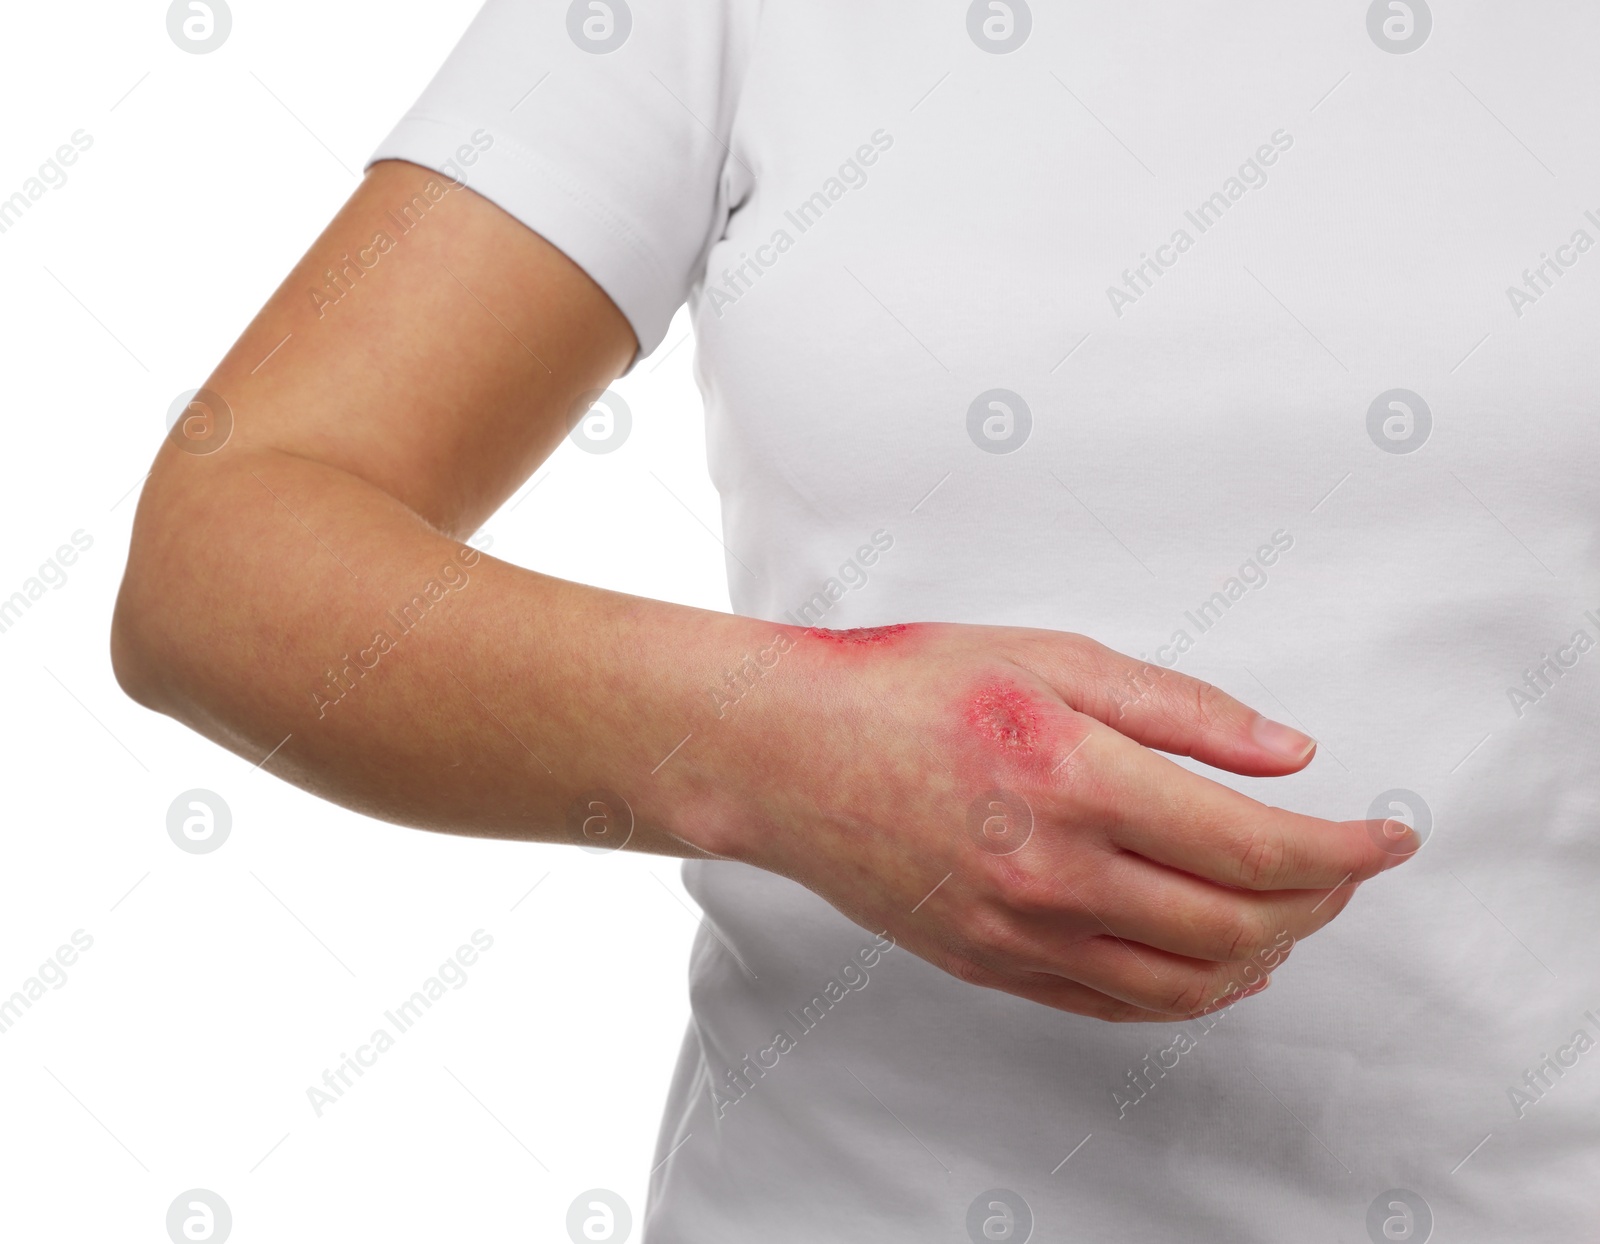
993 798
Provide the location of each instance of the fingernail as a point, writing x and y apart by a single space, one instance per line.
1282 740
1400 840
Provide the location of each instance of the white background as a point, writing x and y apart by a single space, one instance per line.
219 987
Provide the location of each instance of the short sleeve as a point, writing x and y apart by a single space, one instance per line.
602 127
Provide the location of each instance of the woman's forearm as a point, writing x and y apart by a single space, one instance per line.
280 605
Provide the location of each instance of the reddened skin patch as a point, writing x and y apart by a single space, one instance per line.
1002 715
860 636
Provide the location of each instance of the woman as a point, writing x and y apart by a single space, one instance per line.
1053 360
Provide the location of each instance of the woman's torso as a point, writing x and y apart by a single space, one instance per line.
1200 480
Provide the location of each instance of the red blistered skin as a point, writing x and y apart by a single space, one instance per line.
860 636
1005 717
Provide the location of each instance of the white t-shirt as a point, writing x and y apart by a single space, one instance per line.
1257 339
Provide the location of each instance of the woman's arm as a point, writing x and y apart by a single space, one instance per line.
278 588
986 795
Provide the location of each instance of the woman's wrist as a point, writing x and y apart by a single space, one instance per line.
739 688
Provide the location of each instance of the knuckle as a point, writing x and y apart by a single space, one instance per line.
1004 942
1078 782
1262 858
1074 890
1235 981
994 935
966 970
1088 654
1021 889
1244 936
1190 995
1237 932
1210 705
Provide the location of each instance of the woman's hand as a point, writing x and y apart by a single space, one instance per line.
994 799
